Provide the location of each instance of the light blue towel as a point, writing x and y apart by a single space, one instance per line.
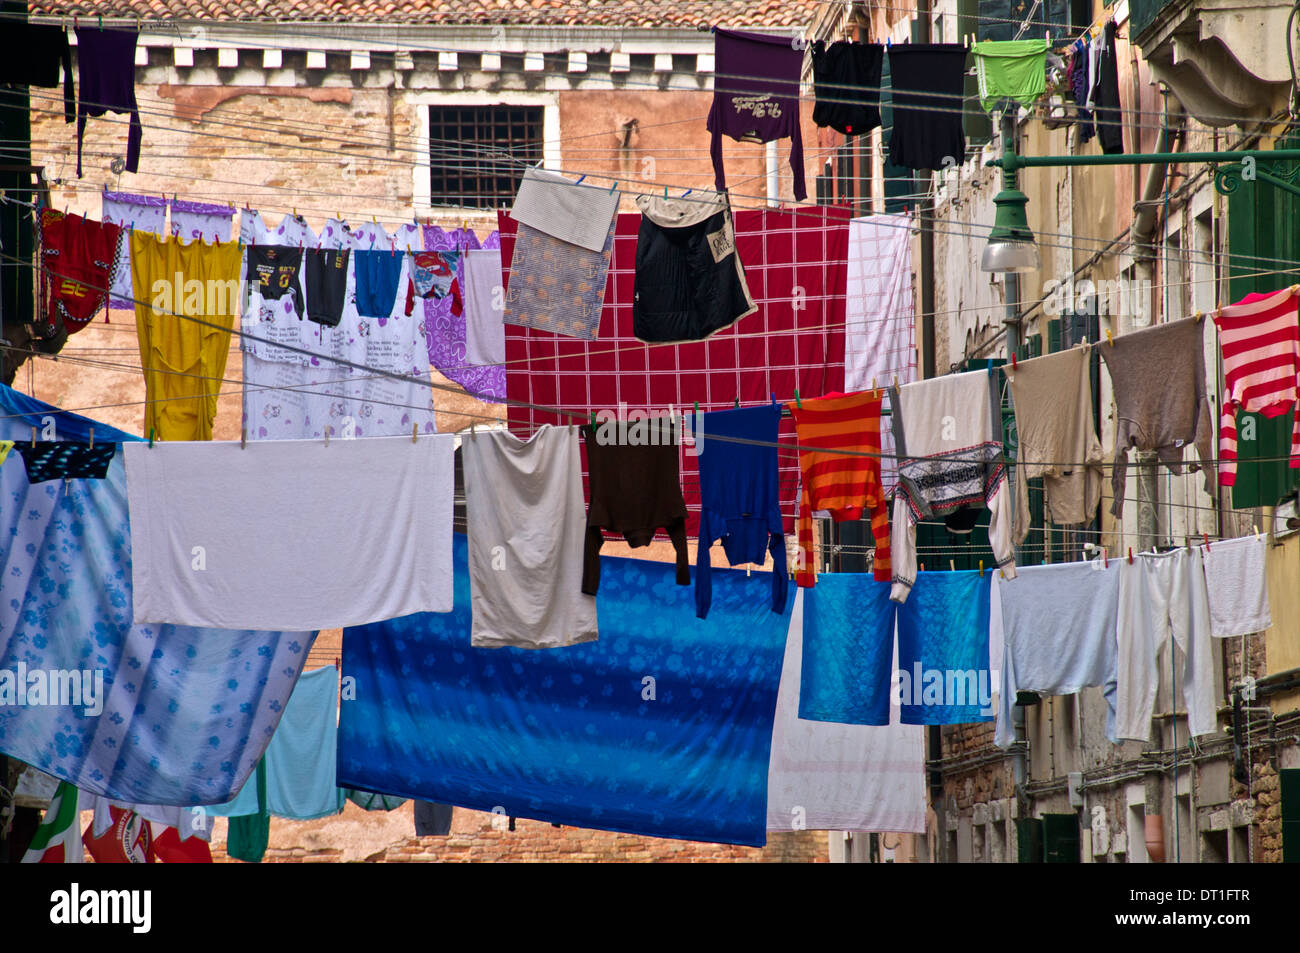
943 650
1058 625
301 759
848 647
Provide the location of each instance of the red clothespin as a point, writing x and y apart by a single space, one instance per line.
1130 555
338 663
1105 558
1014 365
1206 537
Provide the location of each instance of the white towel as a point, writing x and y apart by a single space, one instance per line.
831 777
577 214
527 524
485 331
879 311
290 534
1238 586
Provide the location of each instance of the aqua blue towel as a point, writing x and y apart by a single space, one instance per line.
848 648
943 650
662 728
300 760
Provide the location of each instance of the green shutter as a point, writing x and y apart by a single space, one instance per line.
1054 332
1262 238
1061 838
1029 840
1290 815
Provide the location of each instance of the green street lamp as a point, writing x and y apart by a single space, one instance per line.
1011 246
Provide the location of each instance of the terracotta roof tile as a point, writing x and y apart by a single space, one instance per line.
644 13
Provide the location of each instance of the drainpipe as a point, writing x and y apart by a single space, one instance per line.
925 218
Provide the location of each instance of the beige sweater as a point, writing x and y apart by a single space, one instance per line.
1057 438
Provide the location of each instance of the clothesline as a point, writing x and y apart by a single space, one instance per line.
579 415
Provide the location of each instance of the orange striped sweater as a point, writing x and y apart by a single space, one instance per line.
844 485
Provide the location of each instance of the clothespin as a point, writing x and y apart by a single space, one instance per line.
101 24
773 398
243 438
1049 37
952 565
92 438
1130 555
665 192
1110 338
66 481
74 22
922 567
687 192
613 187
580 178
797 402
1014 365
150 436
415 432
1257 533
697 415
33 438
738 403
1206 537
981 569
338 664
593 420
895 380
1083 343
1199 316
1105 558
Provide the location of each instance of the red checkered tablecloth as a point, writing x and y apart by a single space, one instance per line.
795 264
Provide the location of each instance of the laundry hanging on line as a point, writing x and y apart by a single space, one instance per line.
846 83
834 777
595 739
132 736
260 563
756 97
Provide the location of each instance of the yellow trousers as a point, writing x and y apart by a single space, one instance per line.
183 360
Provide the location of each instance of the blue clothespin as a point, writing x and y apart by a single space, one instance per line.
580 178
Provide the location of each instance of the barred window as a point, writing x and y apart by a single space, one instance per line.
477 154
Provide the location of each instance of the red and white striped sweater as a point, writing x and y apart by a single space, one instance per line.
1259 337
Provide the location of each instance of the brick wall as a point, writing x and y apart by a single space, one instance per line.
388 837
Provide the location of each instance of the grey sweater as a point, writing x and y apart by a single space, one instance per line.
1160 401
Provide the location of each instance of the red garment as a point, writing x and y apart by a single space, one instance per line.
78 256
168 848
841 484
795 265
127 841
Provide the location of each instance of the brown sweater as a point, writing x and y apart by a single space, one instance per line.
634 491
1159 378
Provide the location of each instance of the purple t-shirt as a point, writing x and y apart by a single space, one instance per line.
756 96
